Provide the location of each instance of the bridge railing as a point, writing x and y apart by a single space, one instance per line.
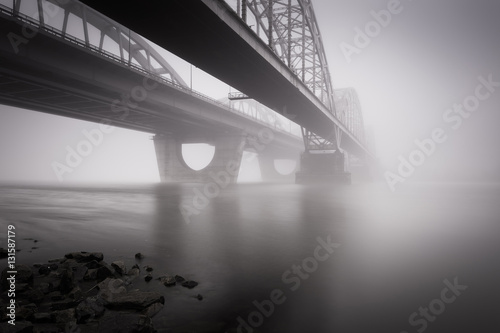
111 56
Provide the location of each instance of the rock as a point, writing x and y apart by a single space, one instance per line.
44 287
34 295
44 270
64 304
199 297
91 274
42 317
23 275
25 312
148 277
85 256
55 296
119 267
109 288
58 260
80 272
90 308
179 279
136 300
125 322
64 316
168 281
76 294
148 268
104 272
38 265
3 253
92 264
189 284
133 272
67 283
20 327
153 309
139 256
53 267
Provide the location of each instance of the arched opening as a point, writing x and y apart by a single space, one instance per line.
197 156
285 167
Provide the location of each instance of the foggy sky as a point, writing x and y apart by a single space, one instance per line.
427 59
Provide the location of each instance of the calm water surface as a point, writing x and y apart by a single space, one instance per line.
395 251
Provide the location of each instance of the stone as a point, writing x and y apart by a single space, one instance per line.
53 267
34 295
125 322
91 274
110 287
168 281
85 256
55 296
76 294
104 272
67 283
93 264
119 267
44 287
24 275
64 304
139 256
189 284
64 316
148 268
90 308
199 297
136 300
153 309
44 270
148 277
179 279
25 312
42 317
79 273
20 327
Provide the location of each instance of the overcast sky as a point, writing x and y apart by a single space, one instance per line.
427 58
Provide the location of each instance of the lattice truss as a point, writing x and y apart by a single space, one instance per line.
349 111
77 22
291 31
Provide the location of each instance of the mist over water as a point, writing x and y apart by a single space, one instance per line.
395 250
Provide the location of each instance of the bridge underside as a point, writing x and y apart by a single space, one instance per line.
219 43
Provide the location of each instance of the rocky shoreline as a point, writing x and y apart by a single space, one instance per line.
83 293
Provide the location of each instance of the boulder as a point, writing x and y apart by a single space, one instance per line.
90 308
119 267
189 284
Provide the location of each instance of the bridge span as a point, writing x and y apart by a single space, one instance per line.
56 72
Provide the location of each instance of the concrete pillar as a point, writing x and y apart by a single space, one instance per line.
268 170
321 167
224 166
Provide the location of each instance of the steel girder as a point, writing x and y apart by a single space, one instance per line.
349 112
95 30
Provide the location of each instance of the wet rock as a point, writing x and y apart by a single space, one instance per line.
67 283
34 295
76 294
85 256
126 322
80 272
168 281
42 317
91 274
53 267
44 270
148 277
179 279
58 260
22 287
136 300
90 308
134 271
26 312
153 309
189 284
199 297
148 268
104 272
44 287
109 288
20 327
24 275
64 304
92 264
119 267
139 256
64 316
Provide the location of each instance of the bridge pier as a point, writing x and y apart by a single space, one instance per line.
268 170
323 167
223 169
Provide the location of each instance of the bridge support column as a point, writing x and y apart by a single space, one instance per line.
223 169
268 170
323 167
